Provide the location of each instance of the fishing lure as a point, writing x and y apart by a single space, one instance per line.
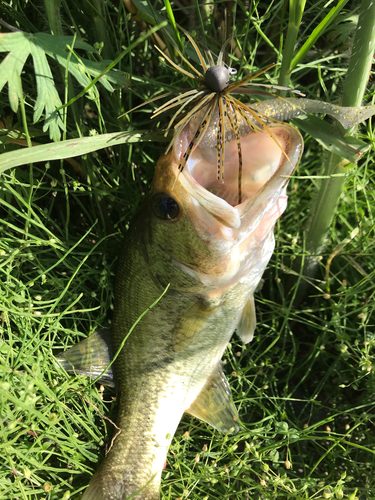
214 97
214 100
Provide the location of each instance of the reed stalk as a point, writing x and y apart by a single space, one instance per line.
328 196
296 8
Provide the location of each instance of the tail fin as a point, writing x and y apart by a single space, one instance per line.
111 487
95 490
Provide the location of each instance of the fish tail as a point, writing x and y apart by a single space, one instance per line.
104 486
107 486
95 490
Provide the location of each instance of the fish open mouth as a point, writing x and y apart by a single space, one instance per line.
268 156
262 156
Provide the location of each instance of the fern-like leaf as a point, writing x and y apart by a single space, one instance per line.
20 46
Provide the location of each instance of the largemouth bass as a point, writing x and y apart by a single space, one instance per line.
188 234
206 253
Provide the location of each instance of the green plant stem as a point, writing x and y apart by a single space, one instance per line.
317 33
328 196
173 23
362 55
296 8
102 29
52 9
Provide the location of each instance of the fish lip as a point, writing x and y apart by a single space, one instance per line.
216 206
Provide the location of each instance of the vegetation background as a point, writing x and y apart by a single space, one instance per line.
304 386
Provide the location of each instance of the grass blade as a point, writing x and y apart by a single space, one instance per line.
72 148
172 20
317 32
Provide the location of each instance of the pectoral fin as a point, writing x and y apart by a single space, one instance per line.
90 357
190 324
248 320
214 404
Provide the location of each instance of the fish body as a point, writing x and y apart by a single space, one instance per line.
195 253
191 242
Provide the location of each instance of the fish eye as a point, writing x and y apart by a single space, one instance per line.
165 207
217 78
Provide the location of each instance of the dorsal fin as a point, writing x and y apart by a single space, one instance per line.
90 357
214 404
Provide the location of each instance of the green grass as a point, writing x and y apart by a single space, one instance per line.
304 387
